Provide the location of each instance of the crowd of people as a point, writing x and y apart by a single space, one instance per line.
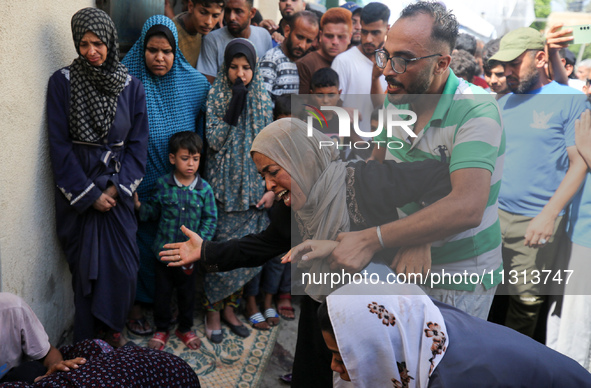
484 196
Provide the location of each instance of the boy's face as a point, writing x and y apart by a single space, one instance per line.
185 164
326 96
337 364
496 79
204 18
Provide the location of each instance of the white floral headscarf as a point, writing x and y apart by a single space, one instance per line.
388 335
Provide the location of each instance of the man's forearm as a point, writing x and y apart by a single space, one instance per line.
53 357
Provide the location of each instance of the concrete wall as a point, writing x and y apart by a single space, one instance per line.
36 41
269 9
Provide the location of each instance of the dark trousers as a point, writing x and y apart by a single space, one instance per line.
311 364
167 279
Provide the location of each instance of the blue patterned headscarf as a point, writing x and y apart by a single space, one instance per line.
174 100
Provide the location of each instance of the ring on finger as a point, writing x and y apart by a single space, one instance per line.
543 241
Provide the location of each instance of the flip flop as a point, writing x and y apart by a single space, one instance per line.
160 337
286 308
188 337
257 318
281 309
271 313
142 323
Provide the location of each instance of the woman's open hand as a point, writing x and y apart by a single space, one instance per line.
179 254
310 250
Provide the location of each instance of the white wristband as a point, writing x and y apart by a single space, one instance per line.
379 232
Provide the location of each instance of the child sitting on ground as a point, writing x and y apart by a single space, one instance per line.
179 198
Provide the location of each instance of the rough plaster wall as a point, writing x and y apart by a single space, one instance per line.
36 40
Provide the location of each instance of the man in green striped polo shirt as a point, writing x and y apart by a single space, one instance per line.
459 124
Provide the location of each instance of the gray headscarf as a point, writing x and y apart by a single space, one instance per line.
320 174
94 89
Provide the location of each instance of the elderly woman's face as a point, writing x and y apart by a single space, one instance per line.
93 49
240 68
279 182
159 55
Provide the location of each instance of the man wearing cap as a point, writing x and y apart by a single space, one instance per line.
356 11
543 170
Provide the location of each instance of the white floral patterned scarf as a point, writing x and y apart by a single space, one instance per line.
388 335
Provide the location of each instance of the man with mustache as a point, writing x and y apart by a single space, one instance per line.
237 17
356 68
544 170
278 68
459 124
356 11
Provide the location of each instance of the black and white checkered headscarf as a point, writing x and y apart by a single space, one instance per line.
94 90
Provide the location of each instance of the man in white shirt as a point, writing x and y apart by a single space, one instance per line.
358 76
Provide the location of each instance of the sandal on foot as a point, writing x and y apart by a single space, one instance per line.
139 327
256 319
282 309
188 338
270 313
160 337
214 336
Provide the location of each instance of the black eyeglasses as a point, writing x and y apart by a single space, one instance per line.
398 63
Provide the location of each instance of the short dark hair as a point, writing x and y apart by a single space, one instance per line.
188 140
308 16
373 12
324 319
207 3
282 106
257 18
490 48
323 78
445 25
467 43
464 65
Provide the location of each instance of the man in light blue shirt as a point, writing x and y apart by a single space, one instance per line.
543 170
